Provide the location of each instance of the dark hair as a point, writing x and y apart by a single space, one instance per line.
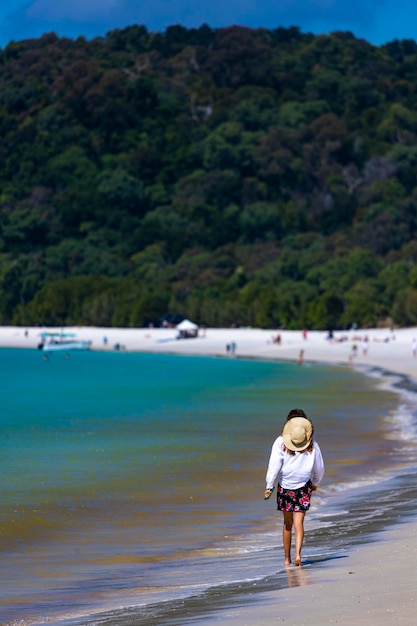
297 413
300 413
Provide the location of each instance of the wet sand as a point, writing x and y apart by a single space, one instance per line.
374 584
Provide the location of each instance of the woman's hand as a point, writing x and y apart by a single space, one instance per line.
314 487
268 493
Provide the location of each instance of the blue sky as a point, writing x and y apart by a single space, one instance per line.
377 21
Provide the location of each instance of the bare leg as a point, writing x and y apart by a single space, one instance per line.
299 534
286 536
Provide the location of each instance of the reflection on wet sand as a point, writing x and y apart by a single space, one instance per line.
297 576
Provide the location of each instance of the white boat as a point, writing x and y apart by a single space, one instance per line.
62 341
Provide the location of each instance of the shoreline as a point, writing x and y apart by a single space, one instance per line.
385 350
374 582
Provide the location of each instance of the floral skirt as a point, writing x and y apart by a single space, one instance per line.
294 499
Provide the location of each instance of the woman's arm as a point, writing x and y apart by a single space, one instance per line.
275 464
318 466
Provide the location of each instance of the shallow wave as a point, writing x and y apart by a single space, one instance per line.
402 422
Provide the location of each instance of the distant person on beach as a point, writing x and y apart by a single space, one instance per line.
365 346
296 458
354 353
277 339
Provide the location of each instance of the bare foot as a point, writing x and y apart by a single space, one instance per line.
287 562
297 562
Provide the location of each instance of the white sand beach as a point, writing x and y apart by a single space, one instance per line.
375 583
385 349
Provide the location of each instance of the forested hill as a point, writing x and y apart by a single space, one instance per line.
232 176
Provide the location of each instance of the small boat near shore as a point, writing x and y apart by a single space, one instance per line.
52 342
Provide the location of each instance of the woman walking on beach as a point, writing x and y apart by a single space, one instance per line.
297 458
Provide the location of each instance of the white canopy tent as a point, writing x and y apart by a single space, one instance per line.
187 325
187 329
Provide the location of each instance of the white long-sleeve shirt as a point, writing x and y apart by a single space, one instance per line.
295 469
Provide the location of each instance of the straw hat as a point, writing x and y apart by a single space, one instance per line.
297 434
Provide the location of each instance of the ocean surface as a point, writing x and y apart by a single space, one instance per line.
132 484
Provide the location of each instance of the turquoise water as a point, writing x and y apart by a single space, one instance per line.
126 477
